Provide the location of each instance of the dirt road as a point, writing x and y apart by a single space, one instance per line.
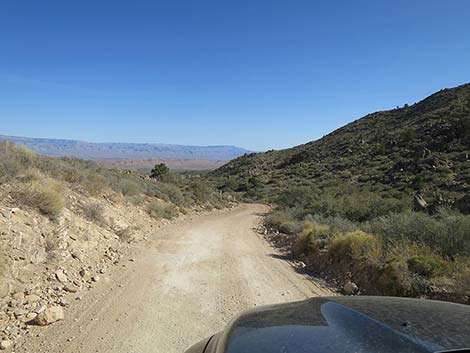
183 286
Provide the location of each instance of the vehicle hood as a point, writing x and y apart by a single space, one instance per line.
348 324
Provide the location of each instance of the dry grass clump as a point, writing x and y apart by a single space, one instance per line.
13 160
94 184
312 238
125 234
95 213
355 246
46 196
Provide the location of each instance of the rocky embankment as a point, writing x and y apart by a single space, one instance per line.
46 265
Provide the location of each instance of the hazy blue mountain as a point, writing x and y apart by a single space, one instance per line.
90 150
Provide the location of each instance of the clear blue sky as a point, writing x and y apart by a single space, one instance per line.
254 73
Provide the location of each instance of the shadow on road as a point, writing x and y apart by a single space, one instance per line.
290 259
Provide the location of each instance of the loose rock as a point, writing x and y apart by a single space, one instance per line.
32 298
70 288
5 344
49 316
28 317
61 276
350 288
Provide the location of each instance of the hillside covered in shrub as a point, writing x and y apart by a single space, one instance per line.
422 148
379 206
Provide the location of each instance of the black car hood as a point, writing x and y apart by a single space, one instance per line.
348 324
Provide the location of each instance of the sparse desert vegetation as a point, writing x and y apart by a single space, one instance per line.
404 253
43 181
159 209
382 202
64 222
45 195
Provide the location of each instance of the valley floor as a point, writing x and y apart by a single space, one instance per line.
183 286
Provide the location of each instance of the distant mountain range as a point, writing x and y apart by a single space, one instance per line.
100 151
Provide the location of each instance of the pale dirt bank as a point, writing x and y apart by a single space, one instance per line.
182 286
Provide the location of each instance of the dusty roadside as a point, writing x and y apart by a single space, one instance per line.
178 288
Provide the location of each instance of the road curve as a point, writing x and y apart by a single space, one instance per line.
186 284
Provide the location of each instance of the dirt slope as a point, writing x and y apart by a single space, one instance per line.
187 284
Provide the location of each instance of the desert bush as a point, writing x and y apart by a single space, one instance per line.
394 278
30 174
13 160
355 247
315 229
290 227
137 199
463 281
428 266
160 171
343 200
173 193
286 221
125 234
94 184
301 196
337 224
201 191
73 176
312 237
448 232
159 209
129 187
46 196
95 213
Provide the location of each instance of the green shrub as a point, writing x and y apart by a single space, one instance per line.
286 221
173 193
448 232
159 171
300 196
159 209
343 200
337 224
463 281
201 191
394 278
428 266
290 227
